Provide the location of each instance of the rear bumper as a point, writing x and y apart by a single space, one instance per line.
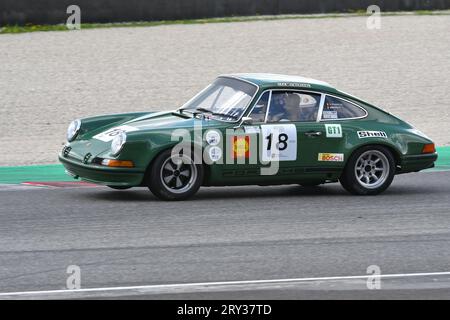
128 177
414 163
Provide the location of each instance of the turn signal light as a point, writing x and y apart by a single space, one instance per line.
118 163
429 148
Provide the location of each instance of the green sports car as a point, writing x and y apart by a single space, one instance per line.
249 129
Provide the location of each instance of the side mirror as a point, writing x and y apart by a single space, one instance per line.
246 121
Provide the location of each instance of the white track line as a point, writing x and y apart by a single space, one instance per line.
213 285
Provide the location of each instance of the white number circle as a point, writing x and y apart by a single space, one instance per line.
212 138
215 153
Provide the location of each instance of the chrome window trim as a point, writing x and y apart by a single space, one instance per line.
343 119
322 102
229 77
289 90
269 102
257 101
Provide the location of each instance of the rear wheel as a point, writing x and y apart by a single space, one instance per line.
369 171
174 178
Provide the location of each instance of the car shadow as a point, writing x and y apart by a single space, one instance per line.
252 192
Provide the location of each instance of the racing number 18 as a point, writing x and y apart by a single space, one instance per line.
281 144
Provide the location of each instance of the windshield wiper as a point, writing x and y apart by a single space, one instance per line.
180 114
203 110
220 114
224 115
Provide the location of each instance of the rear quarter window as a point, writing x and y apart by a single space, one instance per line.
335 109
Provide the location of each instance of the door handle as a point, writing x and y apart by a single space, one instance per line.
313 133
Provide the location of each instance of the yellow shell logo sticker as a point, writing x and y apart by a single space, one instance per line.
241 147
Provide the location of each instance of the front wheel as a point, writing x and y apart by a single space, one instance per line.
369 171
174 178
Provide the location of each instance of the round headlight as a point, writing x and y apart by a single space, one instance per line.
73 129
118 142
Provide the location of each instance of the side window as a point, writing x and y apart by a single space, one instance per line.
293 106
258 113
335 108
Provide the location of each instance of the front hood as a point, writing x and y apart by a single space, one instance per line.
150 122
98 140
161 120
170 121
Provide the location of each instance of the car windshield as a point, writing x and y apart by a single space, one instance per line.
225 98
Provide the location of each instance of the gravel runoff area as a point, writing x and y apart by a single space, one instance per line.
49 78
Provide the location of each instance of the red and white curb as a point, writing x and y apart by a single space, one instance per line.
60 184
31 185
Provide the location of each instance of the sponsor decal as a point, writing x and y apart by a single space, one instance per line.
215 153
240 147
329 114
371 134
333 130
331 157
294 84
212 138
108 135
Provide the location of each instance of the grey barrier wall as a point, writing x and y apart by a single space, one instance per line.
54 11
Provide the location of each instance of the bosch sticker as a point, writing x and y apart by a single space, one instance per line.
331 157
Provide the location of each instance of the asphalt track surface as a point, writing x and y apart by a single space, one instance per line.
129 238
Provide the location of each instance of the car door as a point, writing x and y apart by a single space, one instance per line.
314 144
290 136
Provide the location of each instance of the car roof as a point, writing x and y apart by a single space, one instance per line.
281 80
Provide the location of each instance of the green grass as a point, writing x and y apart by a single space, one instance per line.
62 27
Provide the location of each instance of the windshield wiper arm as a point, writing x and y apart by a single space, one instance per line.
216 113
224 115
203 110
180 114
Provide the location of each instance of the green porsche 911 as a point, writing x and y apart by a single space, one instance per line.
249 129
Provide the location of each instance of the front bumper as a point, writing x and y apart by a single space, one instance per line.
414 163
126 177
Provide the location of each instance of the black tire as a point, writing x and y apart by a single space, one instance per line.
169 190
119 187
370 170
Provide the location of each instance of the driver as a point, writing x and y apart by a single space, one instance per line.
293 107
289 110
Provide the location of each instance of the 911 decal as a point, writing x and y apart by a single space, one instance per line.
371 134
333 130
331 157
279 142
108 135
